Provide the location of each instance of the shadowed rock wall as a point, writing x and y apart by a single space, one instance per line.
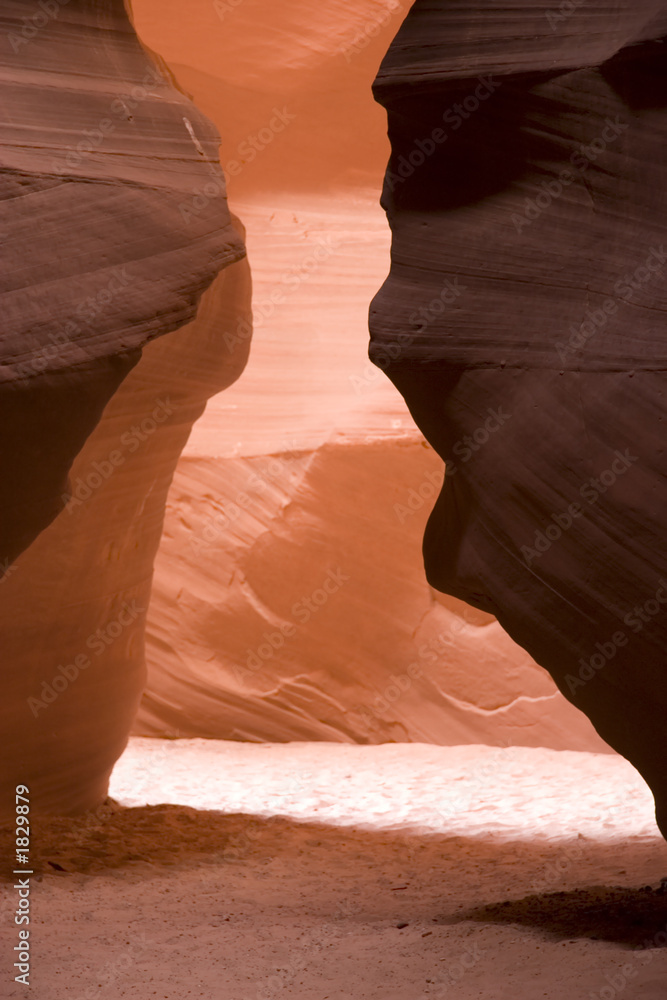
101 258
528 175
97 256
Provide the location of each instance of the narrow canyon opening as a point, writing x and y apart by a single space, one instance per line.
331 674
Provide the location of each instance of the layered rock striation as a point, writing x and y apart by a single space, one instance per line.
104 244
524 320
108 255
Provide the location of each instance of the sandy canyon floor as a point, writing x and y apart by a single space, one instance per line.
333 871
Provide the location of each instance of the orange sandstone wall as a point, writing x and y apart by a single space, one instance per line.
289 598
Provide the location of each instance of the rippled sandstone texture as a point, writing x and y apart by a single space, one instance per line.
289 600
525 193
105 251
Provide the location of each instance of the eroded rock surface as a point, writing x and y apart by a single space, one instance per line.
100 153
524 322
107 252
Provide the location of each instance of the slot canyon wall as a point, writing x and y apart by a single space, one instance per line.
98 263
96 258
548 203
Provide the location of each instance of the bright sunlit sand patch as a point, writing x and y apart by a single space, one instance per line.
460 790
391 872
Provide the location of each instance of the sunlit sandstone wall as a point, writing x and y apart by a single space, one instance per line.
289 599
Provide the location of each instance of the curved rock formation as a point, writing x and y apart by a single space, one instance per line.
524 323
115 222
104 242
